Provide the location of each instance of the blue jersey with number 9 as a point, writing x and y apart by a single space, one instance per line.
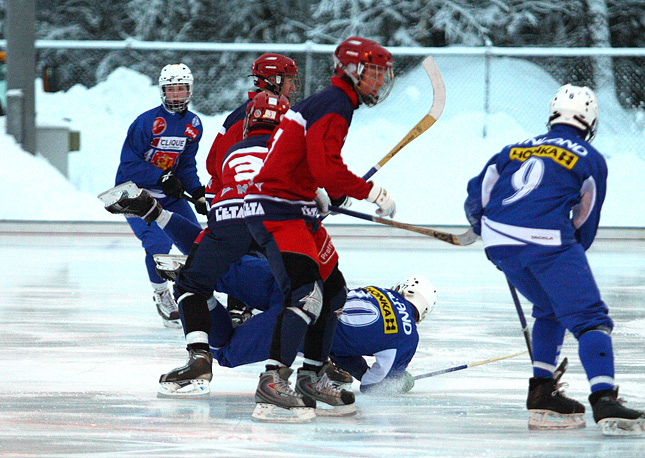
547 190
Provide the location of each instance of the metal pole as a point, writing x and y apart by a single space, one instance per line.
21 67
487 57
308 68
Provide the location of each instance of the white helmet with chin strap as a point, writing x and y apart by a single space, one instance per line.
418 291
576 106
176 75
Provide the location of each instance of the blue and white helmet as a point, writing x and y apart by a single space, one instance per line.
419 292
576 106
176 75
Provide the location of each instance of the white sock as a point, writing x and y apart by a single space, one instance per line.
196 337
163 218
159 287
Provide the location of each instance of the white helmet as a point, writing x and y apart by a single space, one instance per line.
175 75
418 291
576 106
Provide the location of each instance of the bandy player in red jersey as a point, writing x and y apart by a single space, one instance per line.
272 73
282 212
224 242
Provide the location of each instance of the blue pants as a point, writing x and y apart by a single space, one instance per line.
153 239
558 282
212 258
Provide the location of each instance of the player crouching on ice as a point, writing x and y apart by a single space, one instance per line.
537 206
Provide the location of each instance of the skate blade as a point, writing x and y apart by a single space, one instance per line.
190 389
622 427
342 386
170 262
112 196
270 413
175 324
549 420
337 411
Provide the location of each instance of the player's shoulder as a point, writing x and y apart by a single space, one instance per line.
194 120
236 115
149 116
329 100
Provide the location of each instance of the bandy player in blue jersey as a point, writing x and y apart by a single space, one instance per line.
281 212
537 207
158 154
378 322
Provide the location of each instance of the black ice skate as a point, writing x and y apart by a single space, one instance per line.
613 417
129 200
276 401
549 408
191 380
331 400
238 310
338 376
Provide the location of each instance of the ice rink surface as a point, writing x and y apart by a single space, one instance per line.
82 348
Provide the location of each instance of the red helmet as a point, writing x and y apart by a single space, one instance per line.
271 72
355 55
265 111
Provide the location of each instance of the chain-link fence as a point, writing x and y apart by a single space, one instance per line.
221 73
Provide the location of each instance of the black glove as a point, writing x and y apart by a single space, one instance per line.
199 197
340 201
171 185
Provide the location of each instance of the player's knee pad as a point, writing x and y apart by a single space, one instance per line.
307 301
194 309
306 298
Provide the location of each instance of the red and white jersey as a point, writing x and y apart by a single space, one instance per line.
230 133
305 149
238 167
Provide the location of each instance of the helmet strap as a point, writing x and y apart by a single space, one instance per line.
270 85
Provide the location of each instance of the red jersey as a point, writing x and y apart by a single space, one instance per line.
305 149
230 133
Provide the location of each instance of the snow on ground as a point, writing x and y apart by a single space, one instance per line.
427 178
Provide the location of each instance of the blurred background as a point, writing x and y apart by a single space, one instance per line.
499 59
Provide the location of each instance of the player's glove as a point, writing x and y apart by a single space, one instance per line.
407 382
385 202
322 202
199 195
170 185
341 202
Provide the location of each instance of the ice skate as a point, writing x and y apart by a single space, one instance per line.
276 401
549 408
167 308
331 400
192 380
169 265
129 200
613 417
340 378
238 310
113 195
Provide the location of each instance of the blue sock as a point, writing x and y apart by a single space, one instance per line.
547 342
597 357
